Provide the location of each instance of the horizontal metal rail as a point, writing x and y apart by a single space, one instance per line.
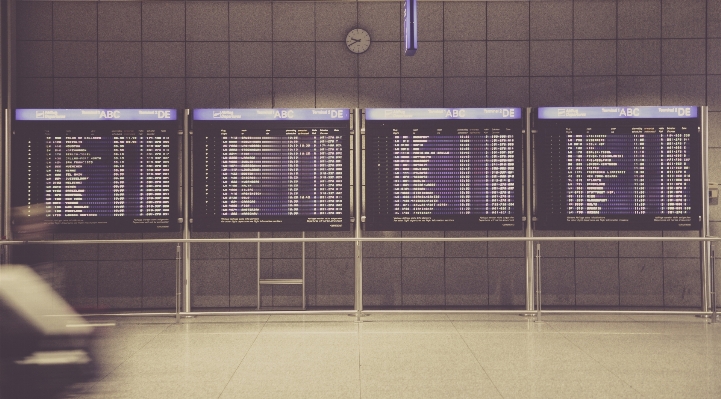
364 239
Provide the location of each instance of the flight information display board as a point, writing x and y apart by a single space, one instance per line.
271 170
444 169
97 170
618 168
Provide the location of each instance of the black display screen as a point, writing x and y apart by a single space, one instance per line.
618 168
438 169
97 170
271 170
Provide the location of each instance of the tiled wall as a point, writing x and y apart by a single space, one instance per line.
292 54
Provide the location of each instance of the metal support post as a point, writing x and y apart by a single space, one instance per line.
178 281
258 279
714 315
358 184
303 267
186 212
529 215
538 283
705 245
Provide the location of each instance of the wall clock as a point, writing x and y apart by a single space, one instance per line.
358 40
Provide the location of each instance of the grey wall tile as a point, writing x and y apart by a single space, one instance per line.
641 281
466 249
294 92
427 249
164 92
75 20
713 60
596 249
556 249
120 93
210 283
507 20
423 281
159 283
76 252
682 90
207 92
335 20
683 56
683 18
551 19
243 283
430 20
164 59
333 59
286 268
250 20
34 20
120 284
34 59
507 92
594 57
294 21
714 127
206 21
119 59
331 249
507 58
558 283
597 282
382 282
464 92
381 60
506 249
421 92
594 91
214 250
681 283
639 90
713 83
164 20
506 282
713 18
248 250
639 19
379 92
680 249
640 249
251 92
428 61
160 250
464 20
75 92
335 282
595 19
119 21
75 59
34 92
288 249
466 282
639 57
387 249
77 282
285 296
382 20
464 58
336 92
551 91
207 59
293 59
251 59
551 58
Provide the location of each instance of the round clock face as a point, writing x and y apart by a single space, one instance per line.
358 41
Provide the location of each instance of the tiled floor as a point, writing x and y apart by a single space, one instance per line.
409 356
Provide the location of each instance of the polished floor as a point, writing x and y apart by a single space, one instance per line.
408 356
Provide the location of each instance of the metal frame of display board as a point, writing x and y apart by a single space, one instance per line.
533 303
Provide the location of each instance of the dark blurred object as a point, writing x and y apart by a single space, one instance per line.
29 224
45 345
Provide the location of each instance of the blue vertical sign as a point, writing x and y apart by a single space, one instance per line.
410 28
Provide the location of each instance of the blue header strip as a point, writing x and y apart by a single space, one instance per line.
96 114
270 114
410 27
380 114
617 112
